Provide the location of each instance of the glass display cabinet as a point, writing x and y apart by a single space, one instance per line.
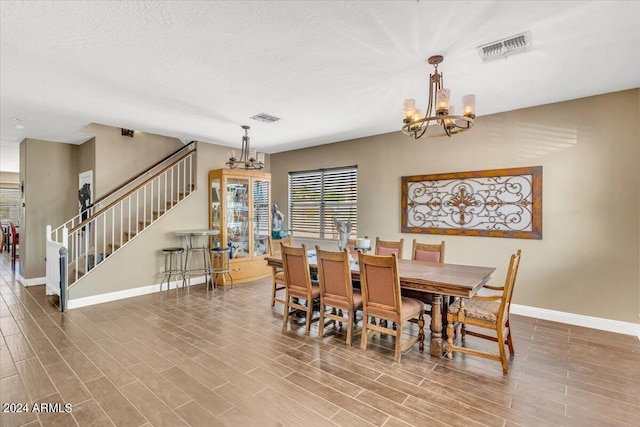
239 206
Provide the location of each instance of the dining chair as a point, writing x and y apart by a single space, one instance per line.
427 251
489 312
433 253
336 290
15 242
351 247
298 283
277 273
386 248
381 299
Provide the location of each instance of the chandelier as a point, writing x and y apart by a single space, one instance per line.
443 120
249 159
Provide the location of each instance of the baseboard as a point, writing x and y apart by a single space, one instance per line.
617 326
127 293
35 281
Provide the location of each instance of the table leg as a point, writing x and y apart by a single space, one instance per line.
187 260
436 326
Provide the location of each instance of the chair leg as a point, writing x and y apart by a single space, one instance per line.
365 333
309 313
273 294
509 340
321 326
503 354
285 318
398 353
350 316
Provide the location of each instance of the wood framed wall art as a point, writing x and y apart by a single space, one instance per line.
491 203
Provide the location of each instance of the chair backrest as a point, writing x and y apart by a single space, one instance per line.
334 274
380 285
296 267
15 238
351 247
509 284
427 252
274 245
387 248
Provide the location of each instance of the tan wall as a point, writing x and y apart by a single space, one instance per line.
588 261
119 158
23 152
49 172
139 263
87 156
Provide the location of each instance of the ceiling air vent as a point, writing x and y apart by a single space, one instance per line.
505 47
264 117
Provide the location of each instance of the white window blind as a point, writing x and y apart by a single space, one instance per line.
10 204
317 197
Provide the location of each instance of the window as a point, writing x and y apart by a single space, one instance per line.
10 204
318 197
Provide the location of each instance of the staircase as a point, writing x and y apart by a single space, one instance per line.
118 217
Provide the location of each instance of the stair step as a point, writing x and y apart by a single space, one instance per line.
128 235
72 276
82 264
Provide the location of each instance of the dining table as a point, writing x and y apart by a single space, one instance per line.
429 280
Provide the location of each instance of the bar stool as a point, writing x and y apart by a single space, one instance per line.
173 257
198 241
221 265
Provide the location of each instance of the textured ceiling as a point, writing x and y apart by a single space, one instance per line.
332 70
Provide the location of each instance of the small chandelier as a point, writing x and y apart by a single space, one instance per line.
249 159
444 121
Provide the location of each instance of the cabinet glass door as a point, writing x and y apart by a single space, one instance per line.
215 211
260 217
237 216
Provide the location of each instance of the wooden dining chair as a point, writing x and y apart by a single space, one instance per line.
386 248
15 242
298 283
427 251
489 312
351 247
381 299
433 253
277 273
336 290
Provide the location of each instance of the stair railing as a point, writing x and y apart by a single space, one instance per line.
90 241
56 234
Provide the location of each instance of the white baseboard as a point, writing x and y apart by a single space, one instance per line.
127 293
35 281
617 326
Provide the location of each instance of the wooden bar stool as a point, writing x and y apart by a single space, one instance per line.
173 266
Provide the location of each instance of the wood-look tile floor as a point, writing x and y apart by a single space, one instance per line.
223 359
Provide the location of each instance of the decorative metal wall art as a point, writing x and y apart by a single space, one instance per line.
492 203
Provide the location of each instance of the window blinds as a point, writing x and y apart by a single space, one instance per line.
317 197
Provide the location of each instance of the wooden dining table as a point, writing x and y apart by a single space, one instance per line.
429 279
